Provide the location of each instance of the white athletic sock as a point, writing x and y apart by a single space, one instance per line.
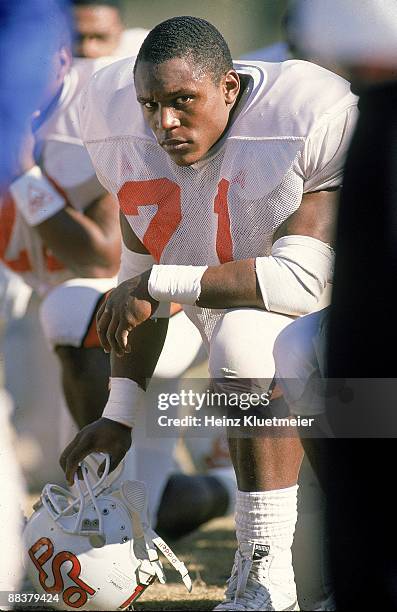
263 576
267 517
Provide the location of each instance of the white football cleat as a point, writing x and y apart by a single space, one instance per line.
260 581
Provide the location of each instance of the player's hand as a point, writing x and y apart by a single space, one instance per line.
101 436
126 307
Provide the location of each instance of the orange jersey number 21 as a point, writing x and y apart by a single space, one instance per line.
167 196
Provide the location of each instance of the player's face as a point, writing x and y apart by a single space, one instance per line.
187 111
98 31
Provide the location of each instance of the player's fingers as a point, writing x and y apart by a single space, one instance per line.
103 320
72 465
62 460
121 336
75 452
65 453
106 300
101 310
111 332
114 461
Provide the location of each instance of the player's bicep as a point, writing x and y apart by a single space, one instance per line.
104 212
130 239
315 217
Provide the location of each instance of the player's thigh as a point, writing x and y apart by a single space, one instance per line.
242 343
180 349
300 348
299 353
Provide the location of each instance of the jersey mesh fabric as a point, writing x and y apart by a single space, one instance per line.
260 196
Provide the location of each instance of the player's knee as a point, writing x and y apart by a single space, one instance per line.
242 343
293 349
288 350
57 320
66 313
181 348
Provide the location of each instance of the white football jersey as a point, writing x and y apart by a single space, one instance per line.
64 159
289 136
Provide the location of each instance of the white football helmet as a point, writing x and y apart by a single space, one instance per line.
95 551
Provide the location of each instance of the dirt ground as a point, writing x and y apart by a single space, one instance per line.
208 554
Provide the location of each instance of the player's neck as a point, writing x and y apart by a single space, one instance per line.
237 105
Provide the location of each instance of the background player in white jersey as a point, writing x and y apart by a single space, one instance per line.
58 222
99 30
241 165
21 86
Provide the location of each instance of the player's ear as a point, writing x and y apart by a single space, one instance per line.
65 59
231 86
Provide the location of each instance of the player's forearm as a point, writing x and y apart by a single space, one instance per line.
230 285
146 342
81 244
290 280
88 244
130 374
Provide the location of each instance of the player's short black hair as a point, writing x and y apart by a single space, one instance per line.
188 37
114 3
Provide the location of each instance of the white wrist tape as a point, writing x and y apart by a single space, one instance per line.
125 399
133 264
294 276
35 197
180 284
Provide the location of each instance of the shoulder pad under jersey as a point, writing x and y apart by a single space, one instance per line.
289 98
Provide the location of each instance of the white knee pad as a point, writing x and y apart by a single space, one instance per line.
181 347
299 353
67 310
242 344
